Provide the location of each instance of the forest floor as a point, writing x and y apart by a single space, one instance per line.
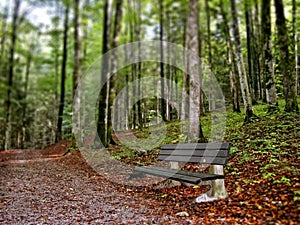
262 180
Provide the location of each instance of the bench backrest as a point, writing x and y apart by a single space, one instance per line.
203 153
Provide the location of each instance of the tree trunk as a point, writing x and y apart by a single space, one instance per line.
192 43
56 68
295 34
24 108
77 45
59 134
289 79
112 91
162 75
231 61
240 64
132 113
249 35
139 66
102 122
211 98
169 90
267 58
3 64
184 101
2 41
256 28
8 121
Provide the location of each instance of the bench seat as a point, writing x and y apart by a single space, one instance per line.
201 153
179 175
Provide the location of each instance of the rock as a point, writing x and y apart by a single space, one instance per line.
182 214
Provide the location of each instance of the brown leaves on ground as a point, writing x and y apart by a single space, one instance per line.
262 183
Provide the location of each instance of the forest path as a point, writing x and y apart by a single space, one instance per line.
45 187
42 187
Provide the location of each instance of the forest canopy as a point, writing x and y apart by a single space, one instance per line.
251 47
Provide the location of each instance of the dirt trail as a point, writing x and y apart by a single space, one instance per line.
42 187
45 187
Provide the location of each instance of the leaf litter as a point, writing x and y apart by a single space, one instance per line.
45 187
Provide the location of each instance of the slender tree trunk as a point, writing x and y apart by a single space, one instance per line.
14 28
126 100
231 60
102 122
184 102
112 91
295 34
249 34
2 41
132 113
256 28
212 103
240 64
59 134
56 69
77 45
24 108
289 79
194 71
3 64
162 75
139 65
255 50
267 58
169 90
76 71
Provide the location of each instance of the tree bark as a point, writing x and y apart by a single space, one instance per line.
256 57
267 58
102 113
139 66
249 35
77 45
59 134
192 43
231 61
56 67
76 71
212 103
112 91
24 107
295 43
240 64
162 75
2 41
289 79
14 28
3 62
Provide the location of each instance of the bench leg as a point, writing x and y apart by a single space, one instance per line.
217 190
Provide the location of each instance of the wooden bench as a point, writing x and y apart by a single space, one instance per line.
201 153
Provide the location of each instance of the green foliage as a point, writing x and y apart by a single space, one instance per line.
297 195
268 175
283 180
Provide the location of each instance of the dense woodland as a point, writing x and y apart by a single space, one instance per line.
46 46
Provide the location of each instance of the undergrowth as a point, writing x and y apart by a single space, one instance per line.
270 143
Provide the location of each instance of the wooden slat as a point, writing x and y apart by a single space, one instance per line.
203 176
169 174
189 152
203 153
194 159
200 146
